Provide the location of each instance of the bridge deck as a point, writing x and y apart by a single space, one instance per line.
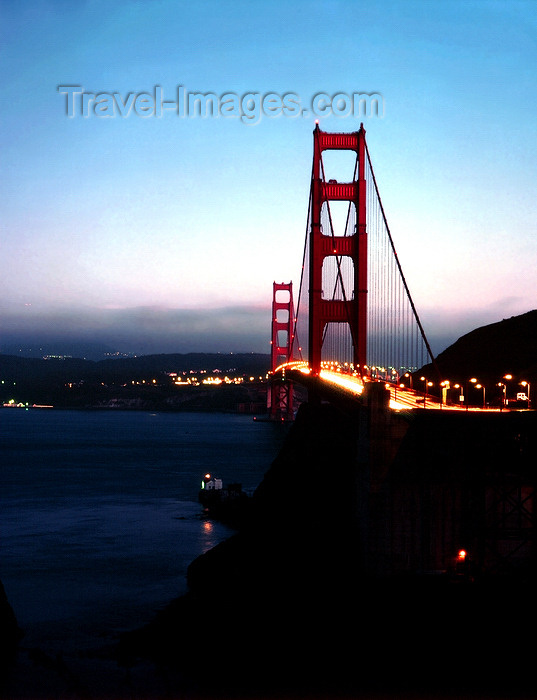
400 398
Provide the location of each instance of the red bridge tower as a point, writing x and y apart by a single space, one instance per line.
352 309
280 394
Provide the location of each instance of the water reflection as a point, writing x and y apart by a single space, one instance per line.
213 532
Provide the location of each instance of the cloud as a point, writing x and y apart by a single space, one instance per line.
139 330
143 330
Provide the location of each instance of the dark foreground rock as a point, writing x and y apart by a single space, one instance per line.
10 636
283 608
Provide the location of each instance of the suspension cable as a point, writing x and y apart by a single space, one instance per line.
424 337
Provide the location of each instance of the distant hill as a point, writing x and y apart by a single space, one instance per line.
138 381
490 352
242 363
14 368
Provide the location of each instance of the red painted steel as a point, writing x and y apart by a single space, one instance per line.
281 390
338 141
360 263
352 311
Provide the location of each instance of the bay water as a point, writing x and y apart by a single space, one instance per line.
99 515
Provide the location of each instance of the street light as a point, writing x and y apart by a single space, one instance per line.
407 374
473 380
446 386
427 385
502 401
480 386
504 388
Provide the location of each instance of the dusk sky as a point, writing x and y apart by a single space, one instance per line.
164 233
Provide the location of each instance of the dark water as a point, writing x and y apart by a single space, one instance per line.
99 516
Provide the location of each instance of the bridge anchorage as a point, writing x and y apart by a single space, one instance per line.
356 321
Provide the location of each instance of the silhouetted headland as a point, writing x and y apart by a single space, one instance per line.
491 351
329 590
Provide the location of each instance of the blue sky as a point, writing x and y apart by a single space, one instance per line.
163 234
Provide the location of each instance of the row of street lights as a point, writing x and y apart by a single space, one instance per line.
446 387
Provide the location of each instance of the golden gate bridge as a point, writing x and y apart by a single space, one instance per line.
355 319
356 341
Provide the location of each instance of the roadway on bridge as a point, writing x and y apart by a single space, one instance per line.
401 398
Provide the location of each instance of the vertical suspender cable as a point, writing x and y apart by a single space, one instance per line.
421 330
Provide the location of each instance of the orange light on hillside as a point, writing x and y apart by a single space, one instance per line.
461 556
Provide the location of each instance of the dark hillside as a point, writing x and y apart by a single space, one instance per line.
242 363
490 352
141 382
14 368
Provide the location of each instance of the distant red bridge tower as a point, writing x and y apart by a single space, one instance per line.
280 394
